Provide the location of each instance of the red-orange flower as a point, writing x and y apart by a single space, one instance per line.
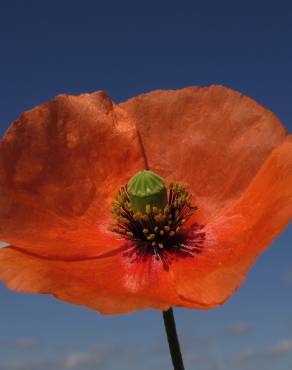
62 163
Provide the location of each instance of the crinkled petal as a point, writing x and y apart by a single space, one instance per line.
109 284
214 139
61 164
240 234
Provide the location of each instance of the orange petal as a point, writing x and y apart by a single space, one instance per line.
60 165
240 234
233 241
214 139
109 284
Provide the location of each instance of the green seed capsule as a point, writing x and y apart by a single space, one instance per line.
147 190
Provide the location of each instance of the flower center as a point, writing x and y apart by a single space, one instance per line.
152 218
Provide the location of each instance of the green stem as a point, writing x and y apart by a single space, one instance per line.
172 338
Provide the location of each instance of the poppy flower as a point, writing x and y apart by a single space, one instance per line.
224 164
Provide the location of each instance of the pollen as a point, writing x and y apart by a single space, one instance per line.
151 237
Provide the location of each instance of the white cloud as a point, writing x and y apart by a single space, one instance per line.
92 358
82 359
239 328
280 348
98 357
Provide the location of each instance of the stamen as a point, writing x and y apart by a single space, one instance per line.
157 231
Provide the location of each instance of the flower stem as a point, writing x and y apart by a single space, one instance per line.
172 338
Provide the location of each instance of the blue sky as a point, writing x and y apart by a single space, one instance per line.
53 48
